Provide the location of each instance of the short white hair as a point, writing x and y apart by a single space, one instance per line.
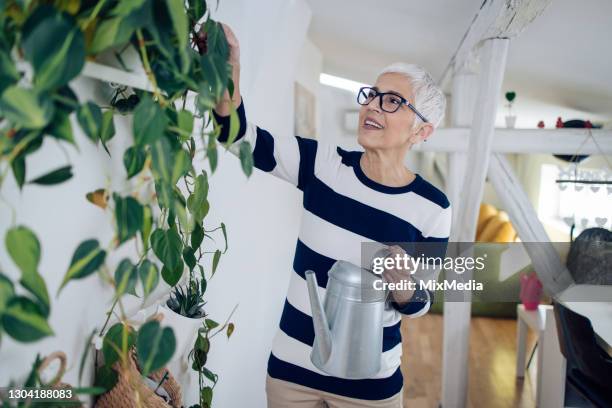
429 99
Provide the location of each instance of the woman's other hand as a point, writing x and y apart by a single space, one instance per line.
395 275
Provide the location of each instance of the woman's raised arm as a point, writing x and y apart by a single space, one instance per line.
288 157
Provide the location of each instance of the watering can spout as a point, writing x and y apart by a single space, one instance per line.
323 337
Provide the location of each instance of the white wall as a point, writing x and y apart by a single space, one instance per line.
308 71
262 216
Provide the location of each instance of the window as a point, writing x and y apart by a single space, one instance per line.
586 205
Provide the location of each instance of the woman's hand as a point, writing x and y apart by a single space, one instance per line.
234 46
401 297
224 106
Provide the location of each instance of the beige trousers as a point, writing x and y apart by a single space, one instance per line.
284 394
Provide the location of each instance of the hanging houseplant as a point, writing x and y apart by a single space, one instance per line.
44 47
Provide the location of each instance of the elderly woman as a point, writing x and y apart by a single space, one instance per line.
350 197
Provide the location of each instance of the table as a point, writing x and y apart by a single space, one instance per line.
595 303
550 382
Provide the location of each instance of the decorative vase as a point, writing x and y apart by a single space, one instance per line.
510 121
531 291
185 329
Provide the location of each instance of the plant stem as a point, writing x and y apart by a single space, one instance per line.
108 315
224 324
147 67
93 14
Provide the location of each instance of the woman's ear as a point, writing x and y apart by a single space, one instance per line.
424 132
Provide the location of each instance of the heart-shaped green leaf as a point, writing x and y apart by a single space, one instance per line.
149 123
155 346
149 276
107 130
172 276
126 277
118 340
185 123
168 166
56 48
87 258
26 108
168 247
197 203
129 217
134 160
112 32
23 320
61 127
89 116
24 249
189 258
197 236
510 96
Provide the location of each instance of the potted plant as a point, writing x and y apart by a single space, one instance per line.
510 118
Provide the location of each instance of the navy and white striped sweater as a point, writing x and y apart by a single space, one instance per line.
342 209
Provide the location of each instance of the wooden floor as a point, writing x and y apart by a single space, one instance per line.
492 364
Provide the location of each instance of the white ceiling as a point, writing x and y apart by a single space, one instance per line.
564 58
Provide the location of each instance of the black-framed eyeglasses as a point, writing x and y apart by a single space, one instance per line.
389 102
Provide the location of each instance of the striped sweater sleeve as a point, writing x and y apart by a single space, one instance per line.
438 235
289 158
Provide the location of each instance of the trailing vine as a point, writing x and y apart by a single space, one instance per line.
44 47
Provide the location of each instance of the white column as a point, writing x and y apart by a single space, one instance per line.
467 196
457 314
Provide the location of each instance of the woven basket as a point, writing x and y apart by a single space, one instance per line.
131 391
56 383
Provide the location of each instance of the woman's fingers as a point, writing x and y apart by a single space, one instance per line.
393 275
234 45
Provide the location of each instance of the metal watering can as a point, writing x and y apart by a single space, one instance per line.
349 327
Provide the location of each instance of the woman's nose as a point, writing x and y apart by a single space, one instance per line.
374 106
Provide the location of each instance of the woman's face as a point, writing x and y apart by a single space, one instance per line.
395 130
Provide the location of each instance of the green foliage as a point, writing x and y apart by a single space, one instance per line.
188 301
134 160
129 217
168 248
155 346
150 122
149 276
56 39
90 119
54 177
87 258
118 339
246 158
54 45
24 249
197 203
126 278
23 320
26 108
